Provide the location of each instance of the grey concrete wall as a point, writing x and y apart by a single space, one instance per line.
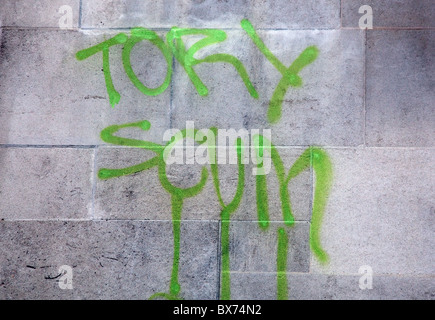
367 101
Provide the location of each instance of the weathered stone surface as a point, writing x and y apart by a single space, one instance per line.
328 109
38 13
255 250
380 212
367 100
262 286
400 88
49 97
142 196
299 14
109 259
390 14
46 183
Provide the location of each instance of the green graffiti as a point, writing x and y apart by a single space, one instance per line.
175 47
322 166
281 265
177 194
104 47
290 75
138 35
227 211
186 59
261 184
262 201
312 157
319 161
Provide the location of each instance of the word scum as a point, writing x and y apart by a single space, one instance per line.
312 158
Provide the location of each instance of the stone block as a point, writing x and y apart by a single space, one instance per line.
255 250
391 14
380 212
400 88
49 97
109 259
40 13
262 286
46 183
327 109
280 14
